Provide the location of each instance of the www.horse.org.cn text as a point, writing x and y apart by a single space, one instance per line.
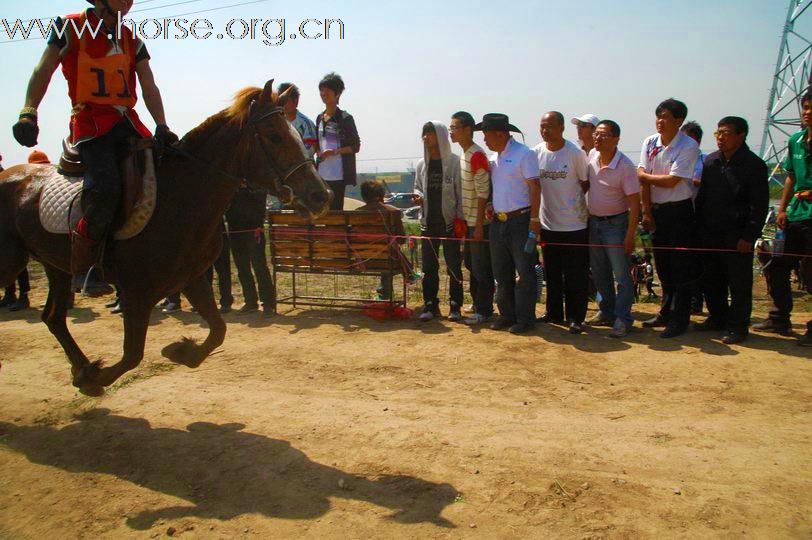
270 32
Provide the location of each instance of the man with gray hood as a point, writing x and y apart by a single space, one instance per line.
438 190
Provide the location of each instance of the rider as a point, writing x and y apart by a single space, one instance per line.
101 73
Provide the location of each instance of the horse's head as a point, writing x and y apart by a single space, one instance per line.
275 158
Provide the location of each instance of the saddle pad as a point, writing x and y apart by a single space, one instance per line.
59 193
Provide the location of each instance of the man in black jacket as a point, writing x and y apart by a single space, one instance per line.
246 220
731 208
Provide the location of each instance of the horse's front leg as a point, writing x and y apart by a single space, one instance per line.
187 352
54 314
136 311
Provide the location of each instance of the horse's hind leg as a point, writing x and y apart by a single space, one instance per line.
198 291
136 313
54 314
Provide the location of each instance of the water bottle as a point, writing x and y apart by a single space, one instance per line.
539 281
530 245
778 242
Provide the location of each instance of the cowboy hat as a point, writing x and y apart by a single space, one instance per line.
496 122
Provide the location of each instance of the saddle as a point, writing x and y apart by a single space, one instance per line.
59 203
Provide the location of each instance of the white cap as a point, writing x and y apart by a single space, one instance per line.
586 119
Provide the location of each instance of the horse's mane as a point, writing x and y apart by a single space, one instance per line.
235 115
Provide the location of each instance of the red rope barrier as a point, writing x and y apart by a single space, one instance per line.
295 233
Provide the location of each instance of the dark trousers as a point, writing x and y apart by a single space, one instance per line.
248 250
516 299
24 283
798 242
477 257
723 273
677 269
338 187
102 190
430 250
223 268
566 271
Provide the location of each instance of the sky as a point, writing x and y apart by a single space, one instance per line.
405 63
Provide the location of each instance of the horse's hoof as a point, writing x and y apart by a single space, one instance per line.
92 390
184 352
87 376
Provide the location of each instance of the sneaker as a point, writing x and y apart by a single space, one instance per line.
21 303
774 327
806 339
454 314
655 322
171 307
521 328
477 318
248 308
576 328
164 303
619 330
601 319
429 312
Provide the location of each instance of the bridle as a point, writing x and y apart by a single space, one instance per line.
281 176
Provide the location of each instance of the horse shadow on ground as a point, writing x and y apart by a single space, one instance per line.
222 471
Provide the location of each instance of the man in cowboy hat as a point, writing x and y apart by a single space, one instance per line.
101 69
516 198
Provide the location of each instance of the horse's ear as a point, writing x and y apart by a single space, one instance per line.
284 95
267 92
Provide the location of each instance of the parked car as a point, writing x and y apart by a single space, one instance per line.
400 200
411 213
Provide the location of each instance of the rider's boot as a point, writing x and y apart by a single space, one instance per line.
85 257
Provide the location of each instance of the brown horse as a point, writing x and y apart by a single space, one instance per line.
250 140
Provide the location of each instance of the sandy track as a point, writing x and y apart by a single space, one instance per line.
328 424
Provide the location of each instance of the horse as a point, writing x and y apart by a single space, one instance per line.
250 141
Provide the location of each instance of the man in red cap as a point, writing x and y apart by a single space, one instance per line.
100 67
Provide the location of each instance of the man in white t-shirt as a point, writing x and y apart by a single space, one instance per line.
563 177
666 170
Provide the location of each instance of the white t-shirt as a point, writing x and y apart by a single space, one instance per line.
677 159
332 168
563 204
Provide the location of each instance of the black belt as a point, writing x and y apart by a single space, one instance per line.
674 204
504 216
607 218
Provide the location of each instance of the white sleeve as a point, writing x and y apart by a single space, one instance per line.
530 166
644 163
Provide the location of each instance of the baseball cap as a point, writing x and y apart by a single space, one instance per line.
586 119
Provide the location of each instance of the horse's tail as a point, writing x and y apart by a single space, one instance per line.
13 251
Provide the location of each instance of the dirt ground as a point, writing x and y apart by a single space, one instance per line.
327 424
